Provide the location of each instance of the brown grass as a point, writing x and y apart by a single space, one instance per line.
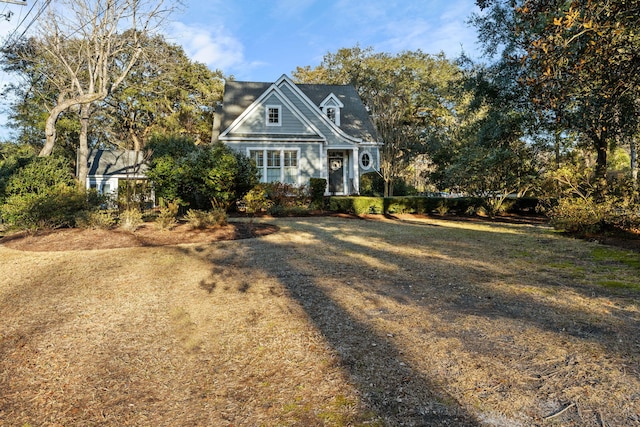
329 321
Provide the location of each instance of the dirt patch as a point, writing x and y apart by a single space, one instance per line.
146 235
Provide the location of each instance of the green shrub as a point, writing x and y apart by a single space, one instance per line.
497 205
577 215
278 210
166 219
55 209
256 201
95 219
583 215
131 219
317 187
442 209
202 176
371 184
40 176
197 219
41 193
360 205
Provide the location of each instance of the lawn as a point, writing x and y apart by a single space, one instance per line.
328 321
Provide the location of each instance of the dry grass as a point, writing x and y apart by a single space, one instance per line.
331 322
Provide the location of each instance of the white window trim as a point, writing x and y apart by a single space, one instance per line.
336 109
281 150
362 166
332 101
266 114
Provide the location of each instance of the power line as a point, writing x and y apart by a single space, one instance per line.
42 9
20 2
9 14
10 37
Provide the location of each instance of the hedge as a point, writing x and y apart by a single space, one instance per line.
362 205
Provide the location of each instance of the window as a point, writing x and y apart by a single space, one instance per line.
331 108
331 114
290 166
365 160
258 157
273 115
280 165
273 166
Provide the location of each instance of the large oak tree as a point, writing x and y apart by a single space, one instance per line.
580 62
408 96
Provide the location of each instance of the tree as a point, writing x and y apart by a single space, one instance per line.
407 95
33 94
580 62
165 93
492 156
89 47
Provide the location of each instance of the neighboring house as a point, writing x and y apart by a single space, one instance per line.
112 171
295 132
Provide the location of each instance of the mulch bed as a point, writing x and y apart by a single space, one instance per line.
150 235
146 235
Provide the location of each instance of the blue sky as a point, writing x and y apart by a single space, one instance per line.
259 40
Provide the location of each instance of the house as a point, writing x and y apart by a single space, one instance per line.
118 173
295 132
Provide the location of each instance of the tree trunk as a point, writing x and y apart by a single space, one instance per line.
50 126
557 146
634 162
137 144
63 105
83 146
388 188
602 146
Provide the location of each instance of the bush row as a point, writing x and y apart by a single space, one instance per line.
425 205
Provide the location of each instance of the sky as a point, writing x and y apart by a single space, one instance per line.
260 40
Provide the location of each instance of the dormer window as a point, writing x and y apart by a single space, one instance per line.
273 116
331 108
331 114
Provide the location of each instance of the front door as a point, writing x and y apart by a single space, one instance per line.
336 172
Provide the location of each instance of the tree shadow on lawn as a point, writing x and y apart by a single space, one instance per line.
336 250
388 385
479 290
481 299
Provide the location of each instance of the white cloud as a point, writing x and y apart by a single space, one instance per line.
214 47
440 28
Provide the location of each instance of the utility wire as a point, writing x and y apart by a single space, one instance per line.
22 22
42 9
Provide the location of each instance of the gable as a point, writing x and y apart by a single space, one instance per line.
243 114
354 117
272 115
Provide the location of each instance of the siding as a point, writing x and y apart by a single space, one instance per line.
333 138
255 122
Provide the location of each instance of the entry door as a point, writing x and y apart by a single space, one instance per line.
336 173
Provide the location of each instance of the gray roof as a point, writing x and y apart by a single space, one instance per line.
117 162
354 117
